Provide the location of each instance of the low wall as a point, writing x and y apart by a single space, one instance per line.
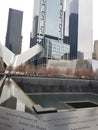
53 85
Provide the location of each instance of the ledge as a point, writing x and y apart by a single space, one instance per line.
40 110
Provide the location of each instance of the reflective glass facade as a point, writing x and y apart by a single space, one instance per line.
77 25
73 29
14 28
53 17
48 17
80 28
55 49
59 49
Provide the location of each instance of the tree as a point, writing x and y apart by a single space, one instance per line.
68 72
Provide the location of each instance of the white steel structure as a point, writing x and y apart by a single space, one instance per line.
8 88
15 60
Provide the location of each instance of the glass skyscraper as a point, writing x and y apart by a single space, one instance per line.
73 28
14 28
54 49
50 20
65 22
78 27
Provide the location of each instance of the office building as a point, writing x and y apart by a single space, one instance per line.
48 18
53 49
48 29
80 55
33 37
14 28
39 22
96 49
78 27
66 20
73 28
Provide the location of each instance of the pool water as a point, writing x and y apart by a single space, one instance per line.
61 100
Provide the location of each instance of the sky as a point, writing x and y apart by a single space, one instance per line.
27 7
95 19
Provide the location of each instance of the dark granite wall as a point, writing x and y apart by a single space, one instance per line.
53 85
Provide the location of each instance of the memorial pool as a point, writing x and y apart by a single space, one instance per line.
61 100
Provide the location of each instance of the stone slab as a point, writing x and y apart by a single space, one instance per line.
40 110
16 120
81 119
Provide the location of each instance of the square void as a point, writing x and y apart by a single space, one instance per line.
84 104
